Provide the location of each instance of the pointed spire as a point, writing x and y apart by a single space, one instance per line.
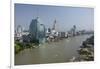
55 21
54 25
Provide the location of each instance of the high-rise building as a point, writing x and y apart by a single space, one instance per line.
33 29
19 31
54 25
41 33
74 30
37 30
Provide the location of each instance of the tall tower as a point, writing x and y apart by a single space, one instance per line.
54 25
74 30
33 28
37 30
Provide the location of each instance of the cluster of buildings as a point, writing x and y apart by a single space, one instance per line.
38 33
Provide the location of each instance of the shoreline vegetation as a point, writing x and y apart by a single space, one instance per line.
19 46
86 51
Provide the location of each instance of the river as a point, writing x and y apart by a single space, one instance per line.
54 52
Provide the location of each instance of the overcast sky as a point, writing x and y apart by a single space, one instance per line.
66 17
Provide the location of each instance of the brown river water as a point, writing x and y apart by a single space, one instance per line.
53 52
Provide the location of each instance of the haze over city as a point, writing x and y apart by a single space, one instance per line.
65 16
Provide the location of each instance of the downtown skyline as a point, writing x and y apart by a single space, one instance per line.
65 16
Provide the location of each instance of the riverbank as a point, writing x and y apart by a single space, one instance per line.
19 46
53 52
85 51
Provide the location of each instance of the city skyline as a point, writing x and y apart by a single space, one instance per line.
66 17
53 34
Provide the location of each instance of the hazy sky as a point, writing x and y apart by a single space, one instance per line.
66 17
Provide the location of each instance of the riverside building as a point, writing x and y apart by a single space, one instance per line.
37 31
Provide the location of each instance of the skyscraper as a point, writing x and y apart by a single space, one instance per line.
33 29
54 25
37 30
41 33
74 30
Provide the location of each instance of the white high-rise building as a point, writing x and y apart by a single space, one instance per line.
19 31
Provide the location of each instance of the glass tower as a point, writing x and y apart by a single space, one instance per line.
37 30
